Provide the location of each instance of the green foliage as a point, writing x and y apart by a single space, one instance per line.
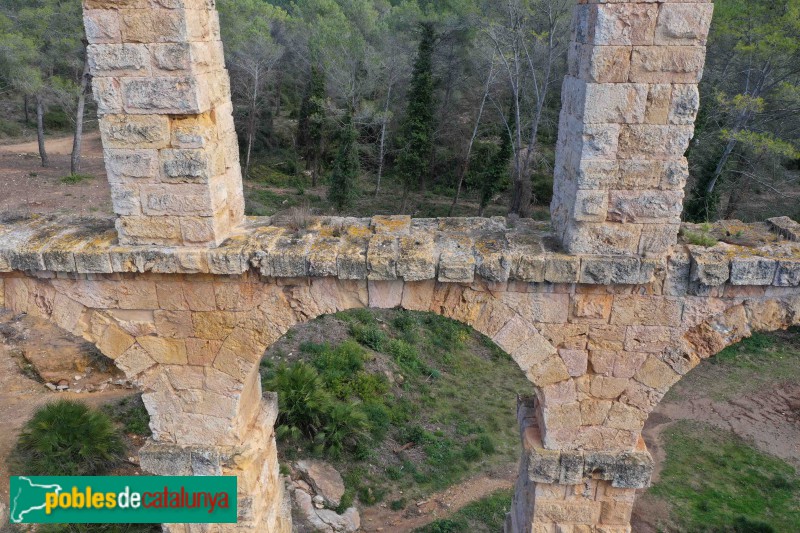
303 400
56 119
416 132
131 414
311 123
716 482
73 179
416 403
699 238
342 187
486 515
69 439
9 128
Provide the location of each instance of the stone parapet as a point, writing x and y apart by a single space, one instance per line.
457 250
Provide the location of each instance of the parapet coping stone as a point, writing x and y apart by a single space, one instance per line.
382 248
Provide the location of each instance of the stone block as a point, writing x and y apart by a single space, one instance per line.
102 26
646 310
602 238
788 273
615 24
753 270
190 165
122 164
576 361
610 270
599 64
135 132
592 307
135 230
194 131
107 93
591 206
126 60
667 64
645 206
785 227
658 239
659 103
561 268
178 200
385 294
654 142
683 23
174 95
605 103
684 105
650 339
657 374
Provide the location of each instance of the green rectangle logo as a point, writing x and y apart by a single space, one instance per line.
123 500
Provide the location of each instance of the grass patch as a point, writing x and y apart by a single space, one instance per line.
699 238
67 438
402 401
486 515
74 179
131 414
716 482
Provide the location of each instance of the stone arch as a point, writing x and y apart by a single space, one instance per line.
727 328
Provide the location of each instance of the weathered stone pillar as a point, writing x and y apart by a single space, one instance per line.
263 503
573 490
166 121
630 100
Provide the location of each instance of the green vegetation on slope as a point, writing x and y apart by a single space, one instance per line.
400 402
486 515
716 482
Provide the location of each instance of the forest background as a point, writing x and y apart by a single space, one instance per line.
430 107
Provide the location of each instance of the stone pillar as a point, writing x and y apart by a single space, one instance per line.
574 491
263 503
163 97
630 100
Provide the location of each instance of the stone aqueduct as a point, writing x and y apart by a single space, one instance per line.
603 313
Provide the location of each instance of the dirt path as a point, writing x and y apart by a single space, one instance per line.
440 505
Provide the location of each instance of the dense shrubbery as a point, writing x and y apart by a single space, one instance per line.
67 438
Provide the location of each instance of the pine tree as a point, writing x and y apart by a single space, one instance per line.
342 188
497 175
416 132
311 124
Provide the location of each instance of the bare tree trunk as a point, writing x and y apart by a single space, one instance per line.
75 161
278 91
40 130
465 168
382 148
25 108
251 125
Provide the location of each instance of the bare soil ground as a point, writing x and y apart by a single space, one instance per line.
27 187
22 393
